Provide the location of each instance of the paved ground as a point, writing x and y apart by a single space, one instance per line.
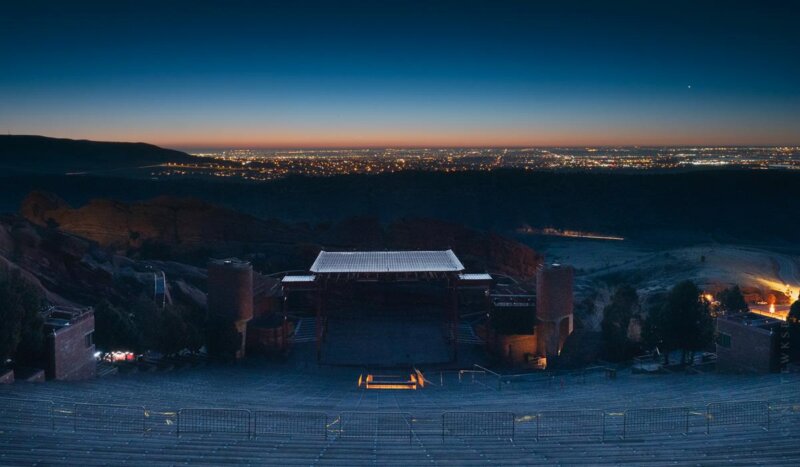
591 429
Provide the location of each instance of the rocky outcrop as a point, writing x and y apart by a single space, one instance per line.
180 228
69 270
478 250
179 224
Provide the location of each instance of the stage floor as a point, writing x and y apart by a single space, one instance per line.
384 343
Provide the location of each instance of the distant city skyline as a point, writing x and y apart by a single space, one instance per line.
311 74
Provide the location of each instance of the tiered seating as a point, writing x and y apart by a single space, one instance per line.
38 425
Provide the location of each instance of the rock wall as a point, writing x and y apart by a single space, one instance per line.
185 226
173 222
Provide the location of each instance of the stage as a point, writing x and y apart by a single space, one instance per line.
384 342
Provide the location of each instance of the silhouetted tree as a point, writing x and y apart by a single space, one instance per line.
732 301
195 319
682 323
181 329
222 338
793 318
115 329
616 318
21 324
168 330
584 310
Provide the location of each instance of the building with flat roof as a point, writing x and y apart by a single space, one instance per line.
70 343
748 343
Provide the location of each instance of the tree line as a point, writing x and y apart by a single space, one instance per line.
683 320
22 340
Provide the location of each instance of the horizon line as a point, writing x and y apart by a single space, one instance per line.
186 146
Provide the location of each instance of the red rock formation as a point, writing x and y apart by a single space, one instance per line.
184 224
478 250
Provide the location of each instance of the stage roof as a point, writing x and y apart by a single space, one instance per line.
331 262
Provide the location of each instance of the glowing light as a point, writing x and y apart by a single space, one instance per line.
415 380
771 312
119 356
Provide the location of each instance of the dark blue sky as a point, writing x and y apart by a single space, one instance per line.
392 73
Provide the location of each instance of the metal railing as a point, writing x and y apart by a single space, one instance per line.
738 413
498 425
288 423
571 423
199 420
602 424
559 378
108 417
493 380
31 410
656 420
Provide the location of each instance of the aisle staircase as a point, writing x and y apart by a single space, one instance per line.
305 331
466 335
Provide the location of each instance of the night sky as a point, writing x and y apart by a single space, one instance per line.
384 73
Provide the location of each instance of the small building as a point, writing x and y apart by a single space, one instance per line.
554 308
230 294
748 343
70 343
530 329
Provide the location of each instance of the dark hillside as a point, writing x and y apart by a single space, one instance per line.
732 205
40 154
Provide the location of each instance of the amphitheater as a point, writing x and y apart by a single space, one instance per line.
294 413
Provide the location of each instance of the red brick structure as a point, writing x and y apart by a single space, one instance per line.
269 335
747 343
70 343
554 307
230 288
230 294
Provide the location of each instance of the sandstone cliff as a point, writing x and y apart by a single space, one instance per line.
191 230
182 224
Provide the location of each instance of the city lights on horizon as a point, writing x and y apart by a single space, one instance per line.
259 165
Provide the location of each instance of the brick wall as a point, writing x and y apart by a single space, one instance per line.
70 358
230 289
751 349
554 293
267 340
